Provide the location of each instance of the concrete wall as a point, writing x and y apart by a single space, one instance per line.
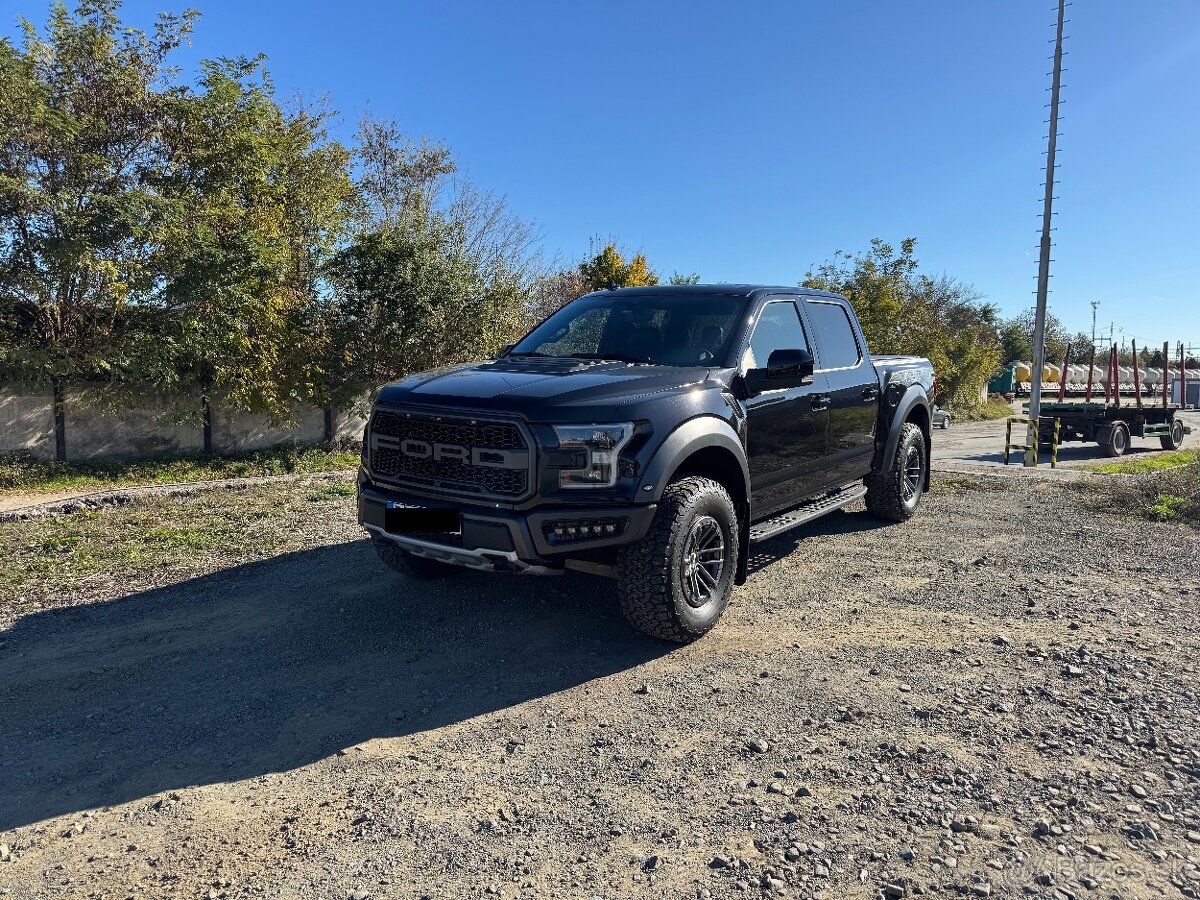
150 427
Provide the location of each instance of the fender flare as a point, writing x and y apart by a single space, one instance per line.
885 450
695 434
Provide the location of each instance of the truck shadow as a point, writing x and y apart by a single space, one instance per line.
840 522
272 665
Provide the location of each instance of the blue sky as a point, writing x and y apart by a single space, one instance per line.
749 141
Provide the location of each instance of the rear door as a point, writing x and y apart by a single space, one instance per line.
853 388
787 427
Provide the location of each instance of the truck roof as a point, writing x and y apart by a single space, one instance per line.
729 290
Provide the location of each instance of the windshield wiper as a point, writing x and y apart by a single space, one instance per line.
613 357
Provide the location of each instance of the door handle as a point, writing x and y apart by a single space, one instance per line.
871 393
821 401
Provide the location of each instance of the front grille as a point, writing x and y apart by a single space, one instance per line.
493 435
392 434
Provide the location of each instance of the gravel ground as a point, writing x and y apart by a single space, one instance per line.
997 698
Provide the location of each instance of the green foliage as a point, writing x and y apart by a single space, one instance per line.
903 311
437 272
1168 506
333 492
993 409
260 199
680 278
29 476
80 185
154 232
1016 343
1017 336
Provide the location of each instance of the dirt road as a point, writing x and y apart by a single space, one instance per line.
997 698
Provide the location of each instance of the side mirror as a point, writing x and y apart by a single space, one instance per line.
790 365
785 369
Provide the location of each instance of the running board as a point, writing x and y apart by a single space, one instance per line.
813 509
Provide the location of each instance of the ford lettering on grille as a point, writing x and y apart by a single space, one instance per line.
462 455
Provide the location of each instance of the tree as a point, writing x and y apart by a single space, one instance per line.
437 272
260 198
680 278
903 311
607 268
1020 329
1015 343
1081 348
81 160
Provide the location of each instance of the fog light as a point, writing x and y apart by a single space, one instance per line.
566 532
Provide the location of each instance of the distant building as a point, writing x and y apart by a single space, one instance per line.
1193 389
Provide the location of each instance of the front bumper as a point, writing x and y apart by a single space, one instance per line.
503 540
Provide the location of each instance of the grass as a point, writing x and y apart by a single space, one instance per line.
335 490
1158 463
1164 493
44 561
30 476
993 409
962 484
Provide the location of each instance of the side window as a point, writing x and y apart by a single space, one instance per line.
835 336
778 328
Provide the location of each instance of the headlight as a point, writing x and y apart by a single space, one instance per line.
600 446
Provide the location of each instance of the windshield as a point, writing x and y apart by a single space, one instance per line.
665 329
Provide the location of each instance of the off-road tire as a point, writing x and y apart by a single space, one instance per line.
1174 440
650 573
1115 439
417 567
886 487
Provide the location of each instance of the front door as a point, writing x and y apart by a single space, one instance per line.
853 388
787 428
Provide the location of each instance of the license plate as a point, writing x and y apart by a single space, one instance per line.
400 519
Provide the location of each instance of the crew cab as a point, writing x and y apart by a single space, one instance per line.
651 435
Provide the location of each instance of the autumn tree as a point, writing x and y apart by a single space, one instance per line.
607 267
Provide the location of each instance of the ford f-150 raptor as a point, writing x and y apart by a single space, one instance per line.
650 434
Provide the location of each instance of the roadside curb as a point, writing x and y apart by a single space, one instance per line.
96 500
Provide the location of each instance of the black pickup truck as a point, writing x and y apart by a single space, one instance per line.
650 435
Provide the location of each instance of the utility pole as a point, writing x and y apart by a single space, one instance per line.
1043 288
1095 305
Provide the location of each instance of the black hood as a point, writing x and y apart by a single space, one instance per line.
547 390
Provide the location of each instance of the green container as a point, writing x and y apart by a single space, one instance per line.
1003 381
